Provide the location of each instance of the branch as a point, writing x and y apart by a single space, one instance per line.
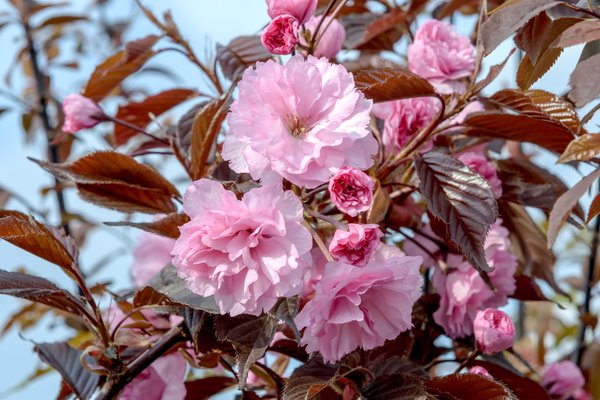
113 386
588 287
42 92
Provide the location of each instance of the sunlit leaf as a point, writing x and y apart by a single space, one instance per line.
386 84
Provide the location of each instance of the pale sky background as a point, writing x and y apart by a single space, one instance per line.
202 22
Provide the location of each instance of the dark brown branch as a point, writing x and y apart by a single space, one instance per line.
114 385
42 92
589 283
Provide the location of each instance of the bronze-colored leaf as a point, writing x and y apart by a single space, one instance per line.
250 337
117 181
108 75
454 5
528 290
594 209
60 20
207 124
521 386
167 226
205 388
565 204
462 199
370 31
582 32
506 19
520 128
386 84
39 290
67 361
492 75
36 238
139 113
380 206
239 54
584 148
585 81
531 37
309 380
468 387
396 387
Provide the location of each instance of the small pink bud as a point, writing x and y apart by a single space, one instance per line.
281 36
494 331
351 191
563 379
81 113
356 245
477 370
331 36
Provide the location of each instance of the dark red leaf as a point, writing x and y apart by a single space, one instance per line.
369 31
462 199
585 81
528 290
201 389
239 54
396 387
309 380
205 127
139 113
584 148
522 387
386 84
582 32
468 387
167 226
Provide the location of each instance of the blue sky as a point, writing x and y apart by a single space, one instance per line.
204 23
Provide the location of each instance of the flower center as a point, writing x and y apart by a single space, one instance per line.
296 126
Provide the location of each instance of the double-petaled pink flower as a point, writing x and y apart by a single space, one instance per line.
463 292
361 307
150 256
494 331
302 121
81 113
441 55
405 118
351 191
356 245
246 253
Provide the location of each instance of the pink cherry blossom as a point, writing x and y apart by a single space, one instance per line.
331 36
351 191
441 55
463 292
356 245
361 307
563 379
478 163
80 113
494 331
302 121
480 371
301 9
150 256
163 380
404 118
246 253
281 35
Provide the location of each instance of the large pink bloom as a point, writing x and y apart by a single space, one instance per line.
441 55
281 35
331 39
478 163
150 256
301 9
356 245
163 380
361 307
247 253
80 113
463 292
302 121
404 118
563 379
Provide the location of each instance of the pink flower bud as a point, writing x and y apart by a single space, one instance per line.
81 113
356 245
281 36
301 9
494 331
477 370
563 379
331 36
351 191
